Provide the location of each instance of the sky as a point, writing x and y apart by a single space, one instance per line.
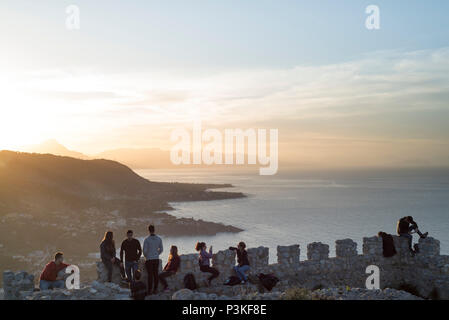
339 94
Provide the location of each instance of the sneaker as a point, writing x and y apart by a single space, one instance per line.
424 235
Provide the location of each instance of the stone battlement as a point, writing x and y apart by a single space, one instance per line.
428 271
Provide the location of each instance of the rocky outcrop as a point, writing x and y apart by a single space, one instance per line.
320 294
17 285
362 294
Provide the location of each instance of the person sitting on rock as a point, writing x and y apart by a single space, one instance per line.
137 287
204 261
242 260
108 252
49 278
407 226
171 267
389 249
133 251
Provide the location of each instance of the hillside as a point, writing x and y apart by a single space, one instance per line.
50 202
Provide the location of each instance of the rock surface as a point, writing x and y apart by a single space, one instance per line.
363 294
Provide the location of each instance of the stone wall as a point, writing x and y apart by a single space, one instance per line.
17 285
427 272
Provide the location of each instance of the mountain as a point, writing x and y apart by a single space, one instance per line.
50 203
144 158
54 147
135 158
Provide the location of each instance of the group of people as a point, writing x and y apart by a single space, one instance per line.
131 251
152 249
406 227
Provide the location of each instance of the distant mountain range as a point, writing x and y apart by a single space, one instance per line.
143 158
54 147
135 158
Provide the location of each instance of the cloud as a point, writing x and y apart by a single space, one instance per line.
382 99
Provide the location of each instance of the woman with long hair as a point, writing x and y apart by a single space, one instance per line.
108 252
171 267
204 261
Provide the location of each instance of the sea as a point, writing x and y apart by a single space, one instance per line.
301 207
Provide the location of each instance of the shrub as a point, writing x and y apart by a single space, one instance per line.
298 294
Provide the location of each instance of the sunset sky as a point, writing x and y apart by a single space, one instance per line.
339 94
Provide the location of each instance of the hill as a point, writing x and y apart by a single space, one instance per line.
50 203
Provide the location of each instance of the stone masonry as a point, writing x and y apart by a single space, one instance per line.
427 272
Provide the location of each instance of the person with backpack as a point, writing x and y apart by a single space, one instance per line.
242 262
204 261
152 248
107 254
171 267
137 287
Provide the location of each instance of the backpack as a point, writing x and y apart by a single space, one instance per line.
232 281
389 249
268 280
189 281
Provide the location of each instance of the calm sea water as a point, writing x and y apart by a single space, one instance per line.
300 208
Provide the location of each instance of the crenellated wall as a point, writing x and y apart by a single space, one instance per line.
428 271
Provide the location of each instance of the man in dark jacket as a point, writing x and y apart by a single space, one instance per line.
389 249
133 251
242 261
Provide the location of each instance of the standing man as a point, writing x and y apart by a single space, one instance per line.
152 248
133 251
49 277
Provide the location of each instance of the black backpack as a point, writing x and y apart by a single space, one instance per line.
268 280
232 281
189 281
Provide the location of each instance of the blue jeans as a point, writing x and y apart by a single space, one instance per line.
241 272
130 269
47 285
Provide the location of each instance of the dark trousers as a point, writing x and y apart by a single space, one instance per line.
152 267
409 239
109 265
164 275
209 269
